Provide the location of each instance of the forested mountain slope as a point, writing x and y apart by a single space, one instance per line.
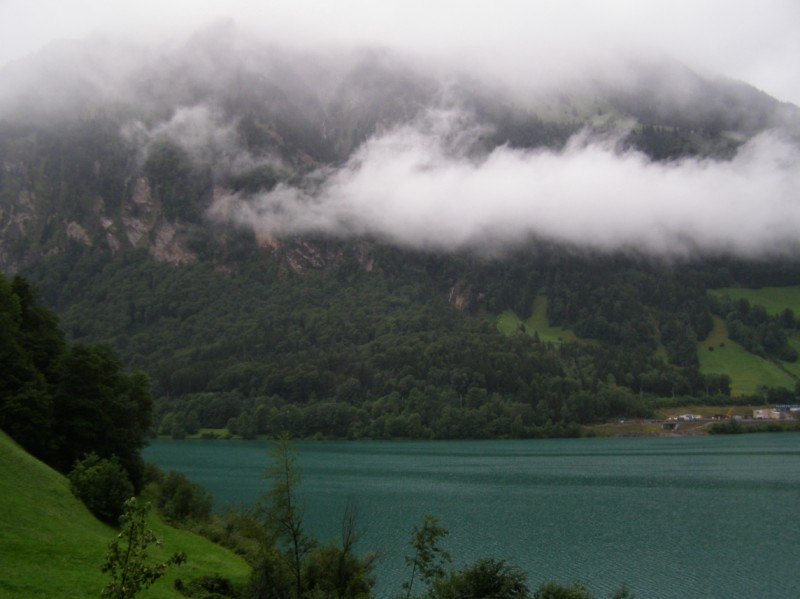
255 230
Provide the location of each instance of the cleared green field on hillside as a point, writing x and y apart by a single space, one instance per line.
509 323
718 354
51 546
774 299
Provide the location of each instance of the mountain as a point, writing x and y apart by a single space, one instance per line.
322 243
118 147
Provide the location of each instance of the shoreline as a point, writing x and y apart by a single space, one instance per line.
629 428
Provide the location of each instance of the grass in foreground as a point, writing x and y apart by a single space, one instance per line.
51 546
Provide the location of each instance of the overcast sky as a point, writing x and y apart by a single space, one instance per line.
757 41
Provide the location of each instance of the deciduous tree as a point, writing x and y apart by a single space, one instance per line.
282 510
429 559
126 560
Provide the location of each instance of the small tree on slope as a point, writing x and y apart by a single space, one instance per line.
126 559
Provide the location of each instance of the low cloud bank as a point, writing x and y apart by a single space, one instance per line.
204 134
416 186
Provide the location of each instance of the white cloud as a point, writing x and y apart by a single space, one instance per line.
407 186
196 128
207 137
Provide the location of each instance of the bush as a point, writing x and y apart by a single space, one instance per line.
488 578
553 590
181 500
207 587
103 486
333 571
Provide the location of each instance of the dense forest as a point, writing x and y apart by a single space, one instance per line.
62 401
344 352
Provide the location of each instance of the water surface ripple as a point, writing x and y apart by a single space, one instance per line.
673 518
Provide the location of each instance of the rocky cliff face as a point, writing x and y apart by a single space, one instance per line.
41 216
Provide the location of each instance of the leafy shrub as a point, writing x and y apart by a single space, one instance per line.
181 500
488 578
553 590
207 587
126 560
103 486
333 571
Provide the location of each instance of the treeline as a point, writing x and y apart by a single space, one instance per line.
342 350
66 402
639 304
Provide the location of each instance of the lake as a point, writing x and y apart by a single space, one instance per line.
673 518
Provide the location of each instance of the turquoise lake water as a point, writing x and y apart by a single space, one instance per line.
701 517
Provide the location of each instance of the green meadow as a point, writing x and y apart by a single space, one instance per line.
509 323
774 299
51 546
718 354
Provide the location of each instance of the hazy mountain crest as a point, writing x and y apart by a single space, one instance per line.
112 147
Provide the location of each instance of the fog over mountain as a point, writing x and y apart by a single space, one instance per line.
522 42
406 187
409 123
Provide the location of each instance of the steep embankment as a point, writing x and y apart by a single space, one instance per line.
51 546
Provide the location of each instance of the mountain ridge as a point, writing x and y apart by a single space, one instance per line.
243 130
330 258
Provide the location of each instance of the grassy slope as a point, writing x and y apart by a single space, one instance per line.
508 323
774 299
747 371
50 546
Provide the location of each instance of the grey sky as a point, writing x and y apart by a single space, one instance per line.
757 41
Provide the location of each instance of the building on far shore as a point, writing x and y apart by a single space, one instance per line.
779 412
686 417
